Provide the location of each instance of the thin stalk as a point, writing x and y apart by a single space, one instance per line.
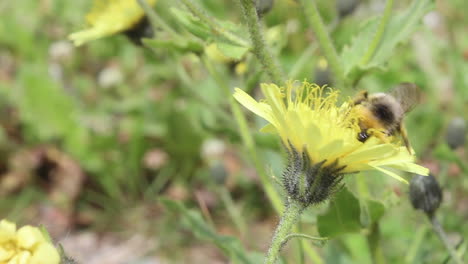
363 192
373 240
380 31
288 219
260 49
312 238
416 244
303 60
443 237
188 86
247 138
155 20
217 29
232 210
326 45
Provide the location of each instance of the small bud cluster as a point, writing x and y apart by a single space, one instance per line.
425 193
307 182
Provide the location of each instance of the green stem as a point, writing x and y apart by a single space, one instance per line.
373 240
318 240
326 45
415 245
217 29
155 19
380 31
443 237
233 211
260 49
247 138
303 60
288 219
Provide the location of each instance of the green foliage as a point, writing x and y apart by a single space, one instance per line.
342 216
172 99
348 214
230 246
399 29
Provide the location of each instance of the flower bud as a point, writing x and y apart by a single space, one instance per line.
346 7
142 29
456 132
425 193
310 183
263 6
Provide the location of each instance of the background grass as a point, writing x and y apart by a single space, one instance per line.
92 137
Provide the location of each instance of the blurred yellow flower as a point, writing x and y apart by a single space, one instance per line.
26 245
108 17
308 121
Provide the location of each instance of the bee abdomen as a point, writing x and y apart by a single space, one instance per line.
383 113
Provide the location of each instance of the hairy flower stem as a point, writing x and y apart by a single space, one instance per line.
326 45
443 237
260 49
290 216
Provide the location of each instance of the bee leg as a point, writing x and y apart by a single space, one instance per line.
382 136
404 136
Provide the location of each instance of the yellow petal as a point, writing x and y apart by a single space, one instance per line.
7 231
369 153
22 257
7 250
45 253
87 35
260 109
410 167
390 173
331 149
29 236
269 128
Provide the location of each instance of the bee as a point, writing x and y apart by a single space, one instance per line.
381 114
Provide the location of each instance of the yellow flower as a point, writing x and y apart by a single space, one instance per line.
25 246
308 121
108 17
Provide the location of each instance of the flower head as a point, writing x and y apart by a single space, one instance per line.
108 17
26 245
319 135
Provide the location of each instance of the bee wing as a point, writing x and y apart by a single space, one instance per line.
408 95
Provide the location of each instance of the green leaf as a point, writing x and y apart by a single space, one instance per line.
444 152
217 31
352 55
399 29
376 210
343 215
371 211
180 45
232 51
230 246
39 97
191 23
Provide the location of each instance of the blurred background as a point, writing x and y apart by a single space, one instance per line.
93 137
